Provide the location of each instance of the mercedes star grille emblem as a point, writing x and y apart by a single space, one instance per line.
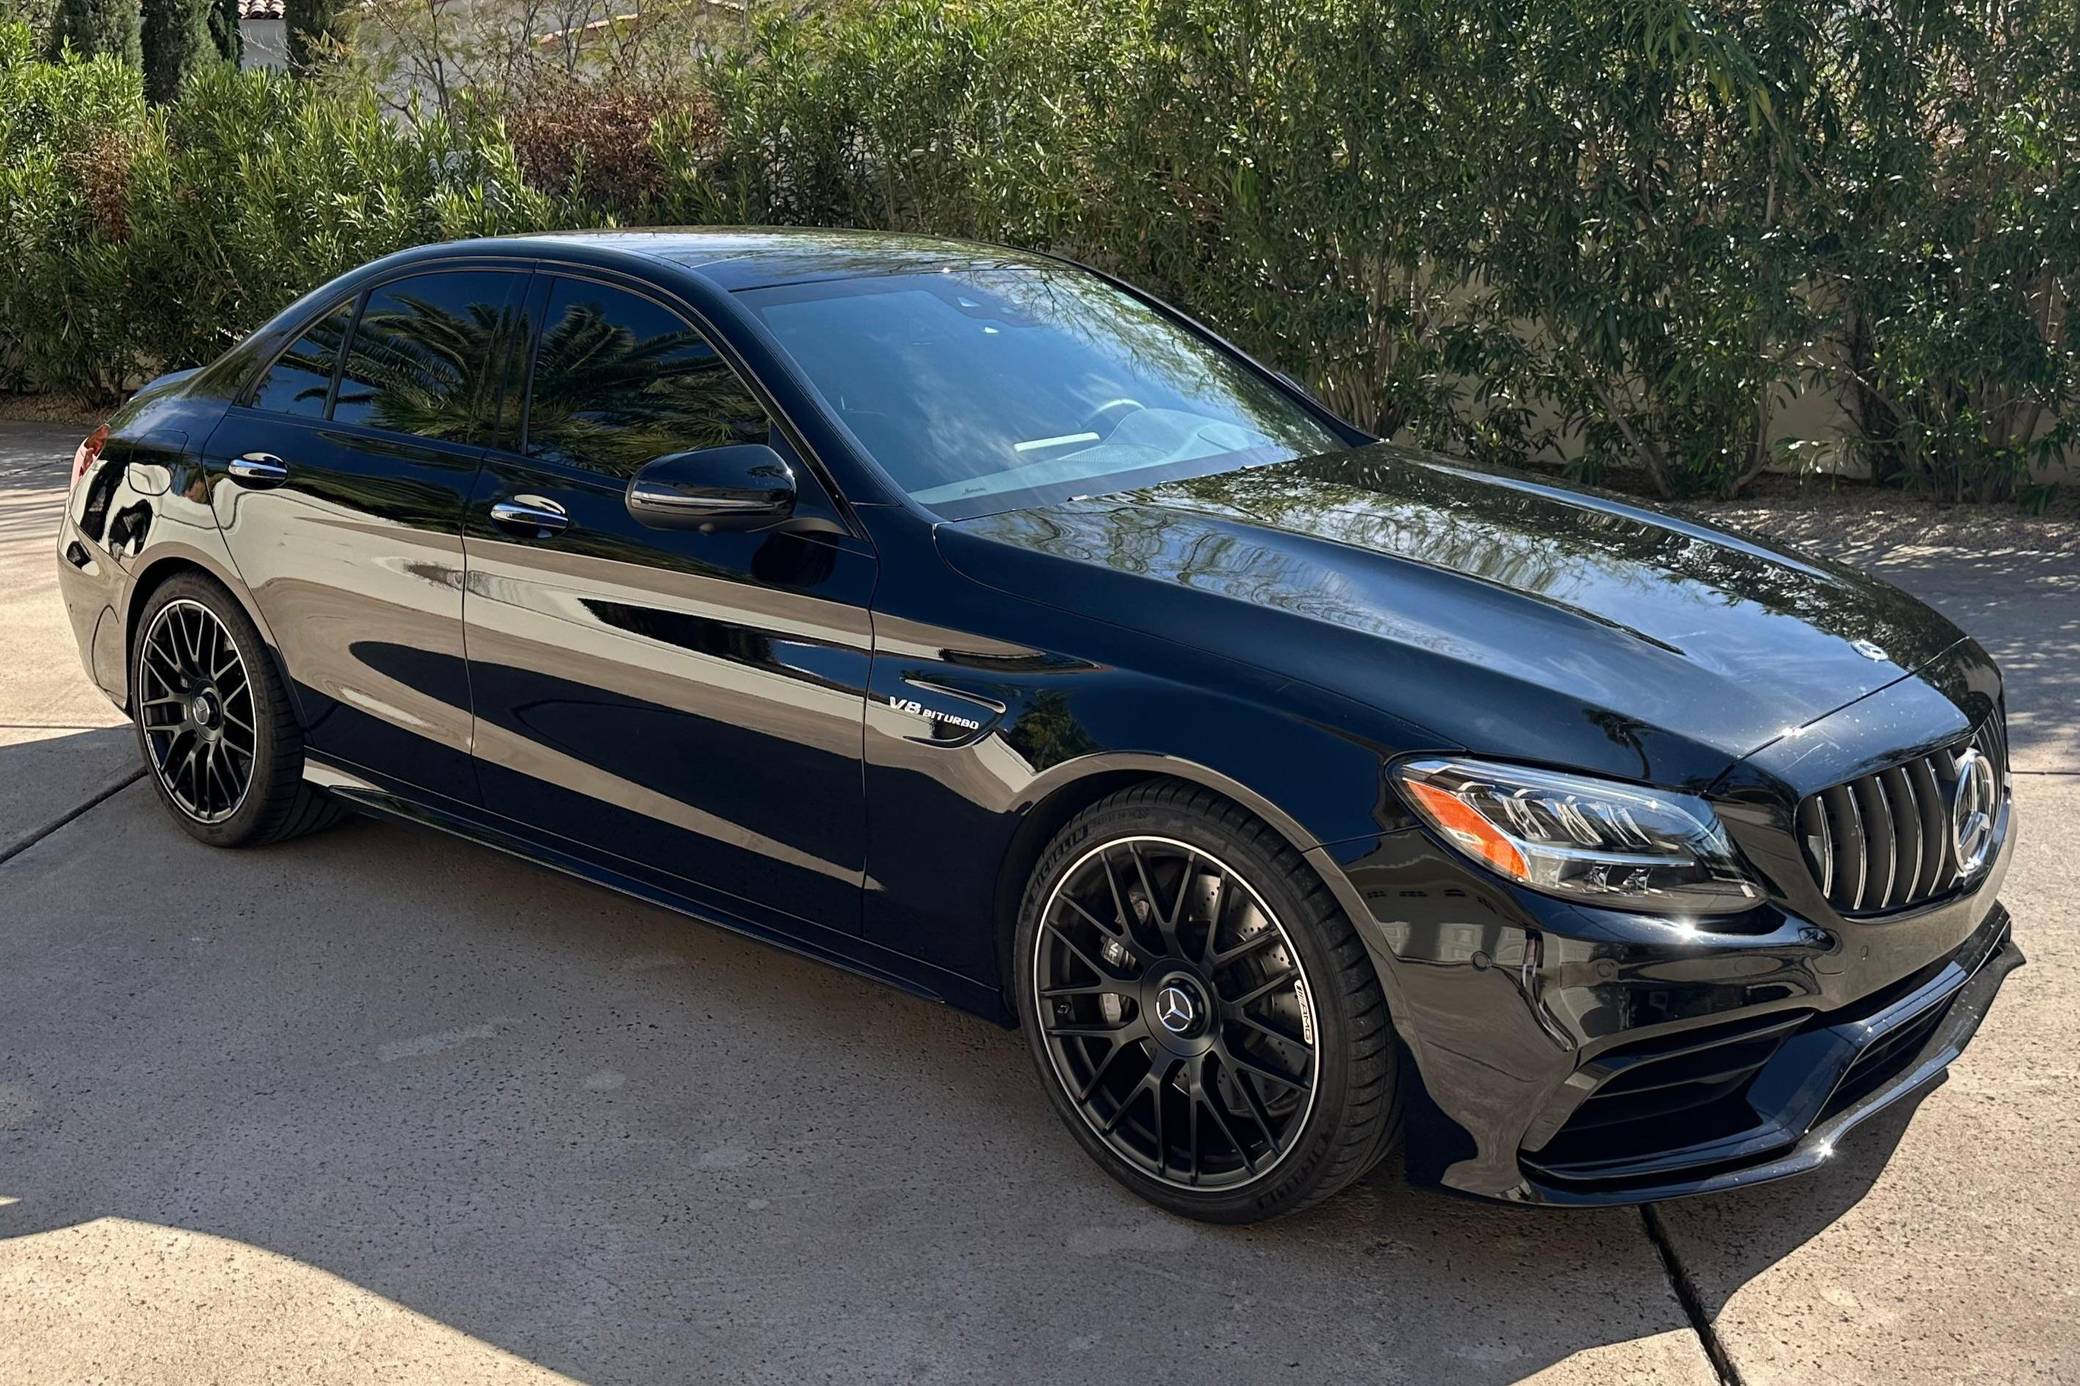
1973 802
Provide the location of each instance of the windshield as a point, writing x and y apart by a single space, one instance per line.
986 390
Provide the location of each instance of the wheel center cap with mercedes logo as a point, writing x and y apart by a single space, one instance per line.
1177 1010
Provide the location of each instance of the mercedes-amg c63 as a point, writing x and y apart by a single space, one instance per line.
969 619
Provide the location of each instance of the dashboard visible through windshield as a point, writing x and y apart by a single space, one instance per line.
985 390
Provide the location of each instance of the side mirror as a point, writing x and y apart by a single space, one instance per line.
738 486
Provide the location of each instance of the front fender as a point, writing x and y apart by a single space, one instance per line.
1065 776
978 748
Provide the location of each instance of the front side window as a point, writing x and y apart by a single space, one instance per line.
989 389
620 380
422 356
301 377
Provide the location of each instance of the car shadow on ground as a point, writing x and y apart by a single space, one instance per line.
630 1148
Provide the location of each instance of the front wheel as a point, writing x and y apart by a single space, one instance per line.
1203 1014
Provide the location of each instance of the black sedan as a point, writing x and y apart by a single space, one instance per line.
971 620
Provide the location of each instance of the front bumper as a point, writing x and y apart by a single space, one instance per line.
1830 1073
1571 1056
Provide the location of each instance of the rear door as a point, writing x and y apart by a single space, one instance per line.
340 482
683 705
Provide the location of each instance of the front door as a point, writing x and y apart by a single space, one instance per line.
340 489
674 704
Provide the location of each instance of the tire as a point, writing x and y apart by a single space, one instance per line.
228 767
1272 1073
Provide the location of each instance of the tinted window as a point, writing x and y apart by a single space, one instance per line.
420 359
985 390
619 380
301 377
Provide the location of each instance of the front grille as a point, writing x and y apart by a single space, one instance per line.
1883 843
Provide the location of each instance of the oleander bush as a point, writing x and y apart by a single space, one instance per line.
140 239
1624 237
70 132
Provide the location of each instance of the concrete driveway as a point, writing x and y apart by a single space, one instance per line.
380 1105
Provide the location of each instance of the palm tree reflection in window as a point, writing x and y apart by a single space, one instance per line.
619 381
420 359
301 377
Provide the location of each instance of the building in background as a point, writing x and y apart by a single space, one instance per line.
266 36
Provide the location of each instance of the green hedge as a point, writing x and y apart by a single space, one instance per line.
1626 235
141 239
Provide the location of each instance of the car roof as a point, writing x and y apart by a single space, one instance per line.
733 258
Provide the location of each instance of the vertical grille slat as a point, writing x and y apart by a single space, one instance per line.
1818 840
1879 845
1850 869
1935 854
1882 843
1993 744
1906 835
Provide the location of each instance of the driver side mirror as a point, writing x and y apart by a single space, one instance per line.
740 486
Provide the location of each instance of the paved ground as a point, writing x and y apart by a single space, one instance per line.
60 741
380 1106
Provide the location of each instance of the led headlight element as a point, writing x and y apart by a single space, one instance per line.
1588 839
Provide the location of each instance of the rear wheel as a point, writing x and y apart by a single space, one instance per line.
1201 1011
214 723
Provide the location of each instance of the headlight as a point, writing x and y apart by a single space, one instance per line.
1587 839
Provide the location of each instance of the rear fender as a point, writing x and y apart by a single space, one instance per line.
165 558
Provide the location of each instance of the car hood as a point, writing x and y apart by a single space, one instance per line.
1503 613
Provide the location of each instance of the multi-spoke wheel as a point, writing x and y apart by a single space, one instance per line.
195 709
213 721
1175 1011
1203 1012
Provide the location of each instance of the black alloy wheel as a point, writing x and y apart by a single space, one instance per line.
214 722
1176 1012
1206 1019
195 709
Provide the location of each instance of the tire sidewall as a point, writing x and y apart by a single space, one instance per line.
1294 1178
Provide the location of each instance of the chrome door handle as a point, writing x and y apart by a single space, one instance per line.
259 469
535 515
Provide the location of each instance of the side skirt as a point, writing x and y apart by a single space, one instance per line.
804 938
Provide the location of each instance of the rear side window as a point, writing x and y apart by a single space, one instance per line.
620 380
422 356
301 377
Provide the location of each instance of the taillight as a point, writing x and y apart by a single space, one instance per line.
85 454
